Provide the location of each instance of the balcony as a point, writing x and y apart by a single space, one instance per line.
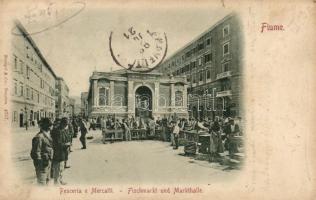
226 57
223 75
224 93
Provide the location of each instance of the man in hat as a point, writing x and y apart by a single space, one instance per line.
175 133
231 129
171 128
70 134
152 126
84 131
42 152
127 131
61 144
75 127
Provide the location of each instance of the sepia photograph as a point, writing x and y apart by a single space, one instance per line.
116 96
157 100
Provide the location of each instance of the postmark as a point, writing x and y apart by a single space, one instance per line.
138 49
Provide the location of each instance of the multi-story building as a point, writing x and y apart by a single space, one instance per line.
84 104
212 64
125 93
33 81
71 107
63 107
76 105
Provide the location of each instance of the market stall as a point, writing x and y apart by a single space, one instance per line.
112 134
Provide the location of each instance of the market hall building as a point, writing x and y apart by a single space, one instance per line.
125 93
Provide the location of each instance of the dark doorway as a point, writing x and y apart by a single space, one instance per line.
21 120
143 102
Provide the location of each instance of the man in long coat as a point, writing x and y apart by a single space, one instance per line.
42 152
61 144
231 129
84 131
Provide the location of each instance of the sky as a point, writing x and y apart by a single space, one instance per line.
80 45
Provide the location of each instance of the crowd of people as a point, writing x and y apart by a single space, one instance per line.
52 145
221 130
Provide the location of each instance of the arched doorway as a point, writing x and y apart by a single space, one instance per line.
143 102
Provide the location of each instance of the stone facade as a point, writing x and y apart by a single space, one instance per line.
63 107
212 64
125 93
84 104
33 81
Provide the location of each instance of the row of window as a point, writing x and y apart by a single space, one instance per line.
200 46
202 75
31 116
19 62
29 55
202 60
32 94
224 85
188 54
192 65
31 75
104 98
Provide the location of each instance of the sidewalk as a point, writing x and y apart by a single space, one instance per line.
32 129
21 147
123 162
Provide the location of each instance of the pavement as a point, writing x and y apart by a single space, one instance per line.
126 162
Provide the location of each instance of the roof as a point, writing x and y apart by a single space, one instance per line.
119 71
36 49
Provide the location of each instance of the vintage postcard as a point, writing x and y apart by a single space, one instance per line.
158 99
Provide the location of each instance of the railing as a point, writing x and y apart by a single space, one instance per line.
223 75
227 56
224 93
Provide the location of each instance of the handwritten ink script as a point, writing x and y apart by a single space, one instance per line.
34 13
43 17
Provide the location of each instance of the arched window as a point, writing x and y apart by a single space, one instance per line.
179 98
103 96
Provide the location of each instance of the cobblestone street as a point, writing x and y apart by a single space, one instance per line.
152 162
